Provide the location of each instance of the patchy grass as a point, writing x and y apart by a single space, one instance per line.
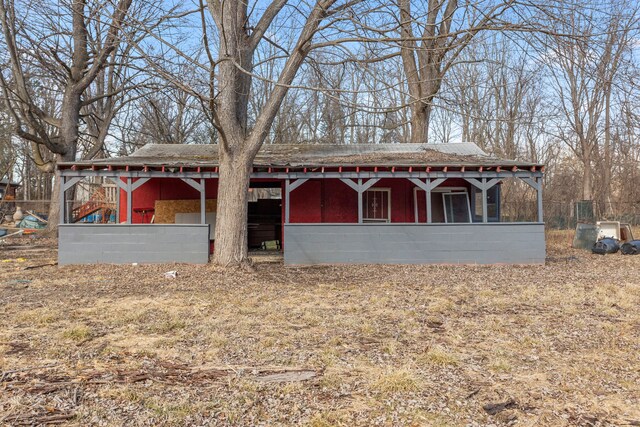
322 346
439 356
393 381
77 333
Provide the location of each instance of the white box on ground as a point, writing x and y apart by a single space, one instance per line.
608 229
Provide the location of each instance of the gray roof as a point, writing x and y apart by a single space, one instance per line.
5 181
301 152
311 155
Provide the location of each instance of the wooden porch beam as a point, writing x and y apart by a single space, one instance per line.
71 182
139 182
370 183
482 183
193 183
350 183
297 183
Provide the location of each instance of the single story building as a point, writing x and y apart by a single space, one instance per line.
322 204
8 189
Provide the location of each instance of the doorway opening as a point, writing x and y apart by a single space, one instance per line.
265 216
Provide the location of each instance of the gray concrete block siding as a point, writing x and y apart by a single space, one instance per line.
128 243
476 243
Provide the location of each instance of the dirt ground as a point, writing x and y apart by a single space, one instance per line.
549 345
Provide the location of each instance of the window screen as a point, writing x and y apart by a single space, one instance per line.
456 207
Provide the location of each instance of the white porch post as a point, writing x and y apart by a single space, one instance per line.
129 187
360 209
427 195
129 201
485 216
483 185
428 185
287 193
540 213
117 203
288 188
360 188
64 186
61 199
203 202
200 187
536 184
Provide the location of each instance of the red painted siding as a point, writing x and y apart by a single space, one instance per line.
317 200
162 189
333 201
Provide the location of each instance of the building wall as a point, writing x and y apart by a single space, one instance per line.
162 189
333 201
315 201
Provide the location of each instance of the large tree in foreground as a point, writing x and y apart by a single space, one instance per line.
231 63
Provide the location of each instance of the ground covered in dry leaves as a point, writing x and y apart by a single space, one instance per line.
320 346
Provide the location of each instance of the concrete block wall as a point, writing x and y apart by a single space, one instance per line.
485 243
128 243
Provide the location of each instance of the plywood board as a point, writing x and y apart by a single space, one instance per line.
166 210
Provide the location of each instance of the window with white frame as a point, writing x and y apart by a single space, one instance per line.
493 204
376 205
455 203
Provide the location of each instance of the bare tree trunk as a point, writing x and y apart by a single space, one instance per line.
54 205
420 124
239 145
70 117
232 210
587 179
606 173
428 55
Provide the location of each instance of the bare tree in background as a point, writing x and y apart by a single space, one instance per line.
58 132
431 40
8 154
78 45
170 116
123 78
584 69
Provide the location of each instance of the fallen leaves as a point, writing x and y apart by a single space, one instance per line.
495 408
554 345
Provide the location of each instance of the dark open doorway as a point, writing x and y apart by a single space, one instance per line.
265 215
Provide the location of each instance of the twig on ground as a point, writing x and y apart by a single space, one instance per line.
31 267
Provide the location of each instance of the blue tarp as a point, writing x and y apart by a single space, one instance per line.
30 221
